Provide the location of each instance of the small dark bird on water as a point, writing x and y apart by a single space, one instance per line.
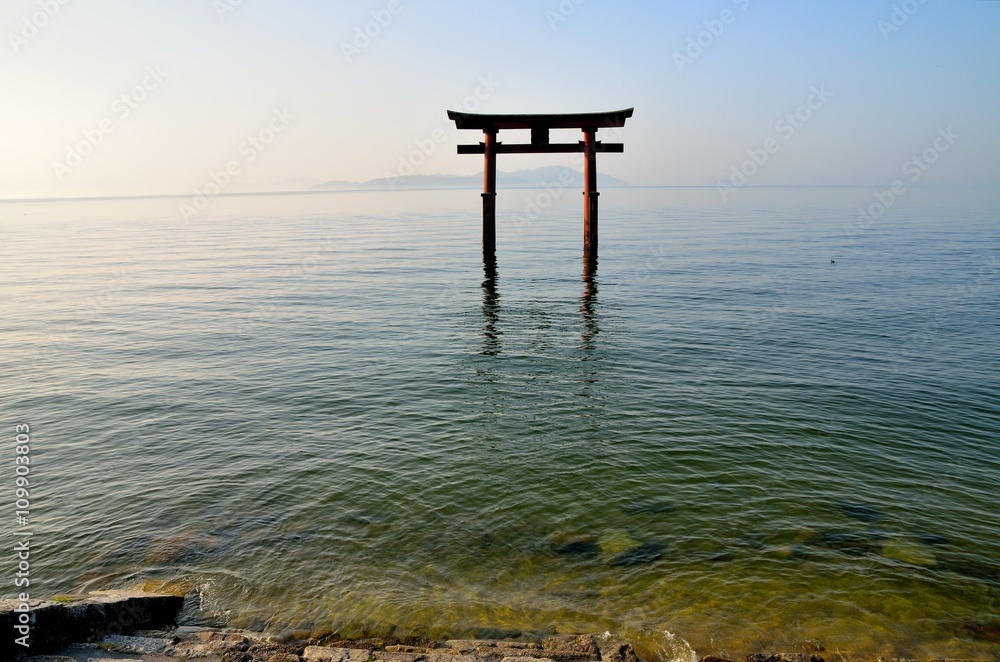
832 261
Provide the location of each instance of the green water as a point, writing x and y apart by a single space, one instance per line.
323 415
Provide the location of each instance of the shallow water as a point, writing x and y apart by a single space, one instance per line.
320 412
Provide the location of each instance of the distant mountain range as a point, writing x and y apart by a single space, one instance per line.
546 177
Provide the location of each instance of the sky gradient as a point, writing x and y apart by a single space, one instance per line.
143 97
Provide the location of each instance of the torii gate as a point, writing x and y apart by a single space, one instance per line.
589 123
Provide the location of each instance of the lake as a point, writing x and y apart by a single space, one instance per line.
759 423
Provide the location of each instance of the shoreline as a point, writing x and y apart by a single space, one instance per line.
159 627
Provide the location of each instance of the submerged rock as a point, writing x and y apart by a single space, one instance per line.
652 506
982 631
570 544
972 570
789 552
909 551
712 556
365 518
751 540
647 552
933 539
860 511
617 541
806 536
781 551
180 546
853 543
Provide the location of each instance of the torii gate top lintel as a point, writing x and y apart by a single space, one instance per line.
540 124
615 118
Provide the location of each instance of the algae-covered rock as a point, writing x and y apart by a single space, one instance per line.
178 587
618 652
806 536
788 552
617 541
783 552
813 646
909 551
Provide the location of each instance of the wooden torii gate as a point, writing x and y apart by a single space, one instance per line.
540 125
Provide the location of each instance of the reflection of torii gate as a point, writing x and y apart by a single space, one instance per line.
589 123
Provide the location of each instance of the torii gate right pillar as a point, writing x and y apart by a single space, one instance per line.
590 193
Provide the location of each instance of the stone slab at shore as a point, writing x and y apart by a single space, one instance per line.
121 625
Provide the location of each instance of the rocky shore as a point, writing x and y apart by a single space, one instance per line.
120 625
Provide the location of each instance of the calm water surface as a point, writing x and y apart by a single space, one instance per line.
321 413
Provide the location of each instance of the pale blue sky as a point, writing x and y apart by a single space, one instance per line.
223 77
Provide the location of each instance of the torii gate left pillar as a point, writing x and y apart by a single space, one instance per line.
540 125
490 192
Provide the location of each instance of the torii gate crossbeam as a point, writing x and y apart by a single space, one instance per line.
540 125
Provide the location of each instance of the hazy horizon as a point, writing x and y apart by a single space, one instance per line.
108 100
